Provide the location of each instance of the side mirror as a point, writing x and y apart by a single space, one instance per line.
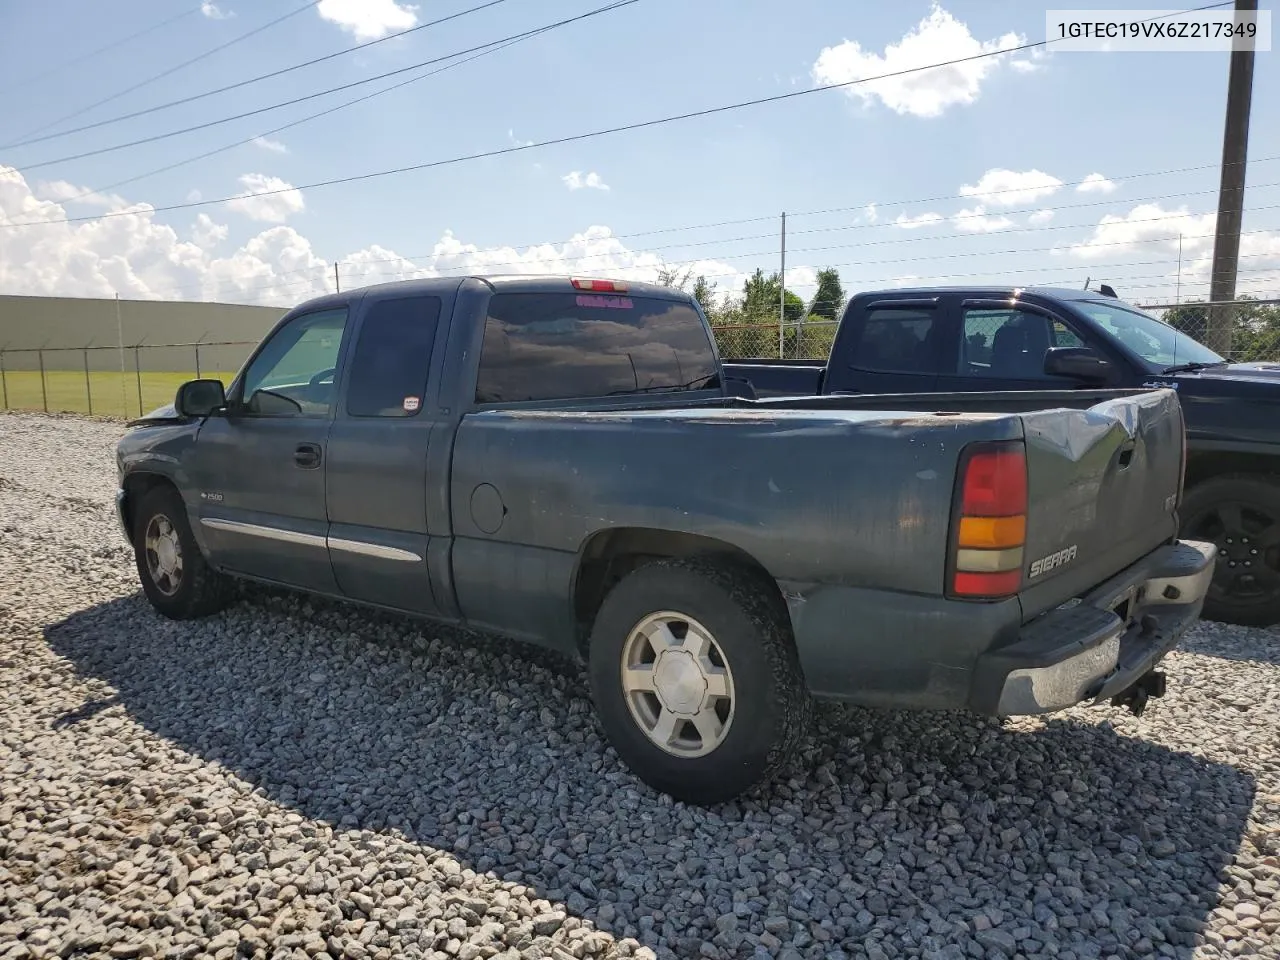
1078 363
199 398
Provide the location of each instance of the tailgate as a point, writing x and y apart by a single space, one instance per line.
1102 488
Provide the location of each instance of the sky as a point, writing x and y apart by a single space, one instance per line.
1025 167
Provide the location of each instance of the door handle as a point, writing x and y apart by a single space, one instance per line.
307 455
1126 453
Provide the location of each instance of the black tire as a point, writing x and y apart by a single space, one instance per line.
772 708
1240 513
198 590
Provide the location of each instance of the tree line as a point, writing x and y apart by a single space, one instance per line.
759 298
746 321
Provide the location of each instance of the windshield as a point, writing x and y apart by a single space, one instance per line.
1158 344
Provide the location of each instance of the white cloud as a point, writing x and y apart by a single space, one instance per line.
205 233
60 191
138 258
1029 61
939 37
802 280
1147 226
977 220
1096 183
369 19
577 180
1009 188
516 141
266 143
214 12
1039 217
194 196
903 280
872 215
267 199
1153 231
920 220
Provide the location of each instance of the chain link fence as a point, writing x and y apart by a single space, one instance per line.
111 381
128 381
810 340
1242 331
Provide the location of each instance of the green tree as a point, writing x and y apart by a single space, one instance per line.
704 291
1255 333
672 277
760 299
828 299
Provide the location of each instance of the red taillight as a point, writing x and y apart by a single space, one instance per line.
990 531
599 286
995 484
992 585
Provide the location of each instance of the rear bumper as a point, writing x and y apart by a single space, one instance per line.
1098 647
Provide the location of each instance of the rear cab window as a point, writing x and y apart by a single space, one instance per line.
567 346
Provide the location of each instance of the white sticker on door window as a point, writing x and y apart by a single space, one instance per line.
412 403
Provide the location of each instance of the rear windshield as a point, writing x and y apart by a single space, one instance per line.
561 346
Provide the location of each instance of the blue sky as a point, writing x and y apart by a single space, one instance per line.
1031 128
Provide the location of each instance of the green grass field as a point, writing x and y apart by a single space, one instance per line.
113 394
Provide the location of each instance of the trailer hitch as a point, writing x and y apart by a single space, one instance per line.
1150 684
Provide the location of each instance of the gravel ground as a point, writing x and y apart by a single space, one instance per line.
302 779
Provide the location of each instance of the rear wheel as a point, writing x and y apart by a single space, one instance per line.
696 679
175 577
1240 514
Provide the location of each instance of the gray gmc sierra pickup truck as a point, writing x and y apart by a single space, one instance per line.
561 461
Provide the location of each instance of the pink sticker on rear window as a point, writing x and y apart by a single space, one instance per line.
608 303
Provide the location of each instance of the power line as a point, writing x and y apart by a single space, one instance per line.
103 49
635 126
890 225
487 267
766 253
320 276
257 79
341 106
181 66
296 100
865 263
517 148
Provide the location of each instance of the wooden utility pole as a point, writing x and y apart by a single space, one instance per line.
1235 150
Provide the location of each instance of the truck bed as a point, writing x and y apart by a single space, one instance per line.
744 470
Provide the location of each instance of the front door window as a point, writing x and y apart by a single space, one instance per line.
293 375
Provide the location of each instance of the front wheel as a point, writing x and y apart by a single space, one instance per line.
1240 514
696 679
175 577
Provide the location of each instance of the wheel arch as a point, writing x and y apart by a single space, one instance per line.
609 555
1211 464
136 485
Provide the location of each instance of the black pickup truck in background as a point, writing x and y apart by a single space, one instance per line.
560 461
941 340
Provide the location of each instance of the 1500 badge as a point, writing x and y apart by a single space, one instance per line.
1045 564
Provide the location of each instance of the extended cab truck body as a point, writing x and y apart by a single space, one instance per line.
558 461
948 339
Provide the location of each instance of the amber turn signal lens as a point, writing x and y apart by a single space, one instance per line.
985 533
